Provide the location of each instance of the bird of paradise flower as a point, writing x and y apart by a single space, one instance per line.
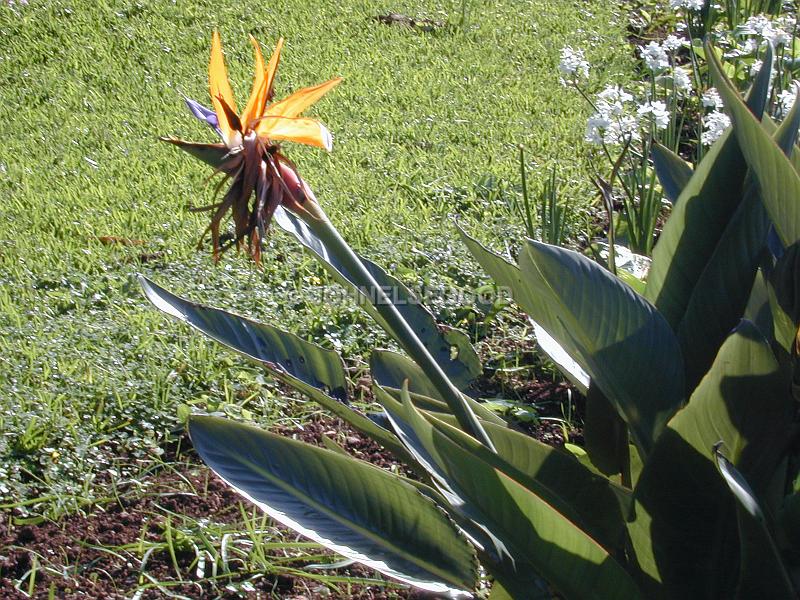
249 153
253 163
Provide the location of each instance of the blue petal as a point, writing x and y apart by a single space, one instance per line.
203 114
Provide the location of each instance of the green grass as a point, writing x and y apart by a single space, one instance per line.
426 126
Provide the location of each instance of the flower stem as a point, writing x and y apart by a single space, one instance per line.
326 231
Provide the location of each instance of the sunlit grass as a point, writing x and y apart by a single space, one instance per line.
426 126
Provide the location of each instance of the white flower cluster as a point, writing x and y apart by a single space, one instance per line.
714 125
659 58
716 122
615 121
786 99
682 81
655 57
657 111
619 118
775 31
672 43
712 99
573 63
687 4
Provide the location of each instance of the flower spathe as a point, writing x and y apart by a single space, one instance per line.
261 177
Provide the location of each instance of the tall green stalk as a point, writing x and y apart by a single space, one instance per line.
326 231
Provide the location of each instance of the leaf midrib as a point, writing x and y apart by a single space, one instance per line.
303 497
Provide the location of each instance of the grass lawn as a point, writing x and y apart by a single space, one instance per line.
426 126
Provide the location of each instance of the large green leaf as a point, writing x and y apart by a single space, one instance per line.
616 336
529 531
279 350
777 177
566 364
673 172
310 369
355 509
603 417
593 502
596 503
605 435
784 291
499 592
716 180
762 573
628 348
758 309
450 348
721 291
697 221
390 370
685 527
706 259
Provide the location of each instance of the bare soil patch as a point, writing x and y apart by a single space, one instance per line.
95 555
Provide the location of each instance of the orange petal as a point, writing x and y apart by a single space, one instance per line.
258 96
233 119
219 85
300 130
272 69
302 99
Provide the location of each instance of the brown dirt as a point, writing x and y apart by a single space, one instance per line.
426 25
96 555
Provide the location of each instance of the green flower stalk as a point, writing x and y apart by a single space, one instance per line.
262 179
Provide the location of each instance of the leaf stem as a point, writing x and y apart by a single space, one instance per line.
322 226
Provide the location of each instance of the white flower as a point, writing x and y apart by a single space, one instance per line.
687 4
573 63
712 99
779 37
613 123
654 57
787 98
594 128
756 25
715 125
764 27
672 43
621 130
614 94
658 111
681 80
